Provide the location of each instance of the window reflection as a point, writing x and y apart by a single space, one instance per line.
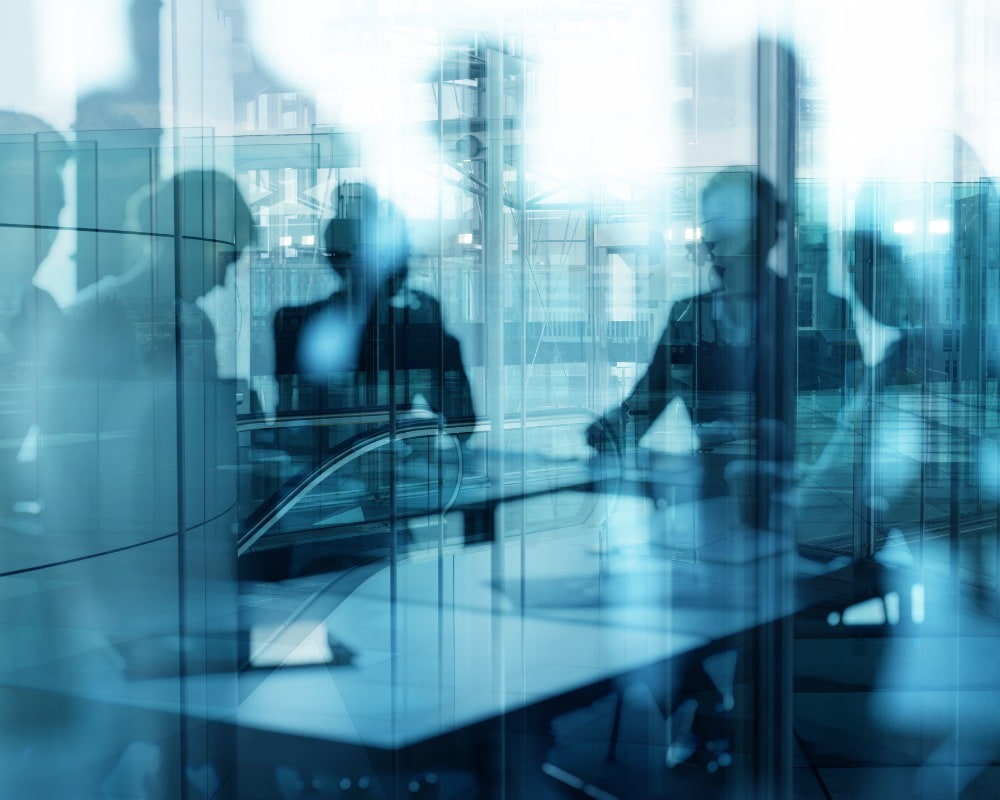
498 401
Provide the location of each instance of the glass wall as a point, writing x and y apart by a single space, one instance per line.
499 399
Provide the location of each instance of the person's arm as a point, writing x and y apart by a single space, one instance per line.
457 393
284 361
451 393
646 401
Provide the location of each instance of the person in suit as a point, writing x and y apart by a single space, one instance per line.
713 336
376 343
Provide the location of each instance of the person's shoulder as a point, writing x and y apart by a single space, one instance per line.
294 315
686 310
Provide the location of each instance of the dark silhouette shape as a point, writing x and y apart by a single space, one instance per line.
715 334
186 233
143 468
374 344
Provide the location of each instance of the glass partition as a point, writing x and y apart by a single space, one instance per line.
499 400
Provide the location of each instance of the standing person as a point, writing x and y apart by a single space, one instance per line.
182 236
141 476
32 157
373 344
140 343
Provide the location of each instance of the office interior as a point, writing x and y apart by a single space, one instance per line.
422 399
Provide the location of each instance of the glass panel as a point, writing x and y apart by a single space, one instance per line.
498 399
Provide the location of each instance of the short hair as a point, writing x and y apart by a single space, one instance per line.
210 203
215 223
761 192
367 226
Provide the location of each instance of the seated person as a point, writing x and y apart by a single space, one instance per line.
712 337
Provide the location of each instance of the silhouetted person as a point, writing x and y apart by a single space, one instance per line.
376 342
722 339
32 157
918 305
141 475
141 354
715 333
141 357
183 235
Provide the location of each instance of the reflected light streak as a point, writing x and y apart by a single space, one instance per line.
892 608
917 603
989 468
28 451
870 612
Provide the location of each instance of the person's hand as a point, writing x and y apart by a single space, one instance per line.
606 434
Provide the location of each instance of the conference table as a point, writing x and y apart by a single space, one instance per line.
390 666
429 658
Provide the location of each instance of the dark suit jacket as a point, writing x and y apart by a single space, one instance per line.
403 350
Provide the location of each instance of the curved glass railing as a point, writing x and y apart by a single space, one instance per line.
414 472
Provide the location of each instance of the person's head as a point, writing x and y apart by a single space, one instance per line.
32 158
212 222
366 241
920 221
736 205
